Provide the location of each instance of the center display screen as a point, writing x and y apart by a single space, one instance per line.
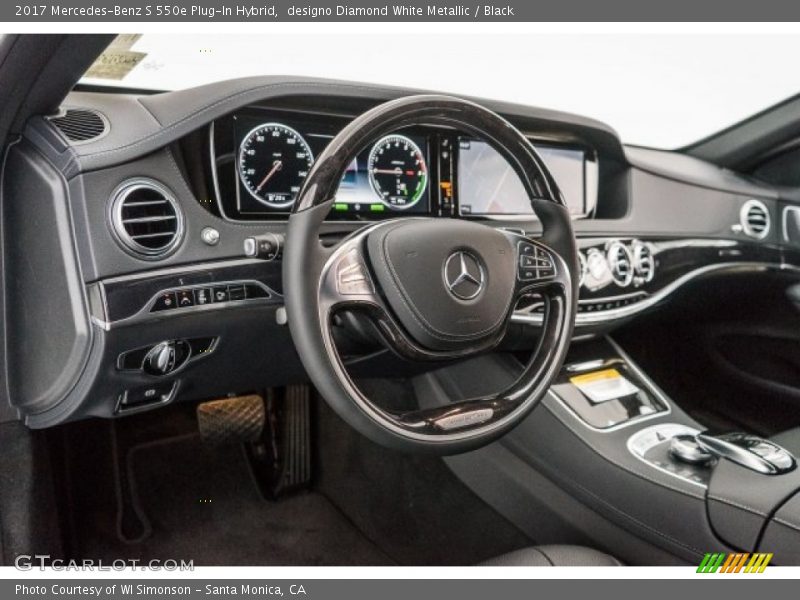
487 185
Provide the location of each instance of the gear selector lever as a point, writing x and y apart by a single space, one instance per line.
749 451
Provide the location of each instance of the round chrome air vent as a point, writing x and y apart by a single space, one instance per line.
146 219
620 262
644 265
754 219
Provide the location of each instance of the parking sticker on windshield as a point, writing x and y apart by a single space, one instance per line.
605 385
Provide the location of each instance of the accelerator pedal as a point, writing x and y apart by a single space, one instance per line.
232 420
282 463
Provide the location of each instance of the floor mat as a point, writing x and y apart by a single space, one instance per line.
203 505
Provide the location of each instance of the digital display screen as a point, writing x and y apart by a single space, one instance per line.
389 177
487 185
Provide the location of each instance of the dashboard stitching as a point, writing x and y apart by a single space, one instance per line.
415 313
226 99
749 509
149 112
786 523
633 519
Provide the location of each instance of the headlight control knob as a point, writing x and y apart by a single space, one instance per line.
166 357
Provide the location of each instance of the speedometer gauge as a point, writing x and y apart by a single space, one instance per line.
273 162
397 171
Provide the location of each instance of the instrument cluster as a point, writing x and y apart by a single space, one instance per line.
261 160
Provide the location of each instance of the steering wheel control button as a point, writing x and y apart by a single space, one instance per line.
464 419
352 278
685 448
464 275
210 236
534 263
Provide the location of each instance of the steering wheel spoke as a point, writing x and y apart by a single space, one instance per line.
345 278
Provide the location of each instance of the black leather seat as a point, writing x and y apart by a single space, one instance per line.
553 556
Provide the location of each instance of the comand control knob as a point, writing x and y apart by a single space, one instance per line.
685 448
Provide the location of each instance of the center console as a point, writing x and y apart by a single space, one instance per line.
607 436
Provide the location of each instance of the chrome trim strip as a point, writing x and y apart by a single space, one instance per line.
212 152
622 312
784 223
144 314
206 266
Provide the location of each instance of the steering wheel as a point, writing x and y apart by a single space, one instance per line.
434 288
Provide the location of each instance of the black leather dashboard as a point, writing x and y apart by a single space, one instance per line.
687 212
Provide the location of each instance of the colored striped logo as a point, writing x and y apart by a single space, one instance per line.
740 562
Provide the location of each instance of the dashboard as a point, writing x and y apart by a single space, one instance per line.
129 244
260 158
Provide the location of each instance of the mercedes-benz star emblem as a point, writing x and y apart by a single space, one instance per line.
463 275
